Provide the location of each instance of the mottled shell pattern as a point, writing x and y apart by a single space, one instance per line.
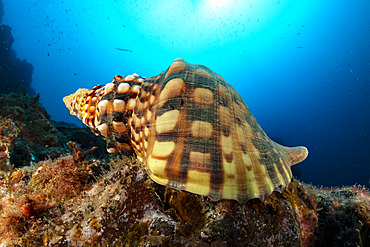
191 130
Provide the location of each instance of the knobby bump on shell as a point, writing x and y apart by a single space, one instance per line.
191 130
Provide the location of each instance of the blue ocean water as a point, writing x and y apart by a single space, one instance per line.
303 67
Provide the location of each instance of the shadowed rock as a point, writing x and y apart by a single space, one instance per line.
15 74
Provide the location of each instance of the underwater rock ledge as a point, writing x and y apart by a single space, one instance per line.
73 199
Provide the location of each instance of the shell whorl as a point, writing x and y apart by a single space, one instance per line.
192 131
107 110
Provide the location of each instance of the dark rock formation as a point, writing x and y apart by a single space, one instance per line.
1 10
29 136
15 74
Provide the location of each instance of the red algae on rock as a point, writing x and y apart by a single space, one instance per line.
60 205
303 201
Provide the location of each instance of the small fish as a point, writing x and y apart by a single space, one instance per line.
299 47
123 26
120 49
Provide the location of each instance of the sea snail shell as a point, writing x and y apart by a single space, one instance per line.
191 130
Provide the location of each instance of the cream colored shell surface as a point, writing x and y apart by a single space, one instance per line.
192 131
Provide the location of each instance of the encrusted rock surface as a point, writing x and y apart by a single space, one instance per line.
29 135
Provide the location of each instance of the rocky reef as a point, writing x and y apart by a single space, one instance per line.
58 194
28 135
15 74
